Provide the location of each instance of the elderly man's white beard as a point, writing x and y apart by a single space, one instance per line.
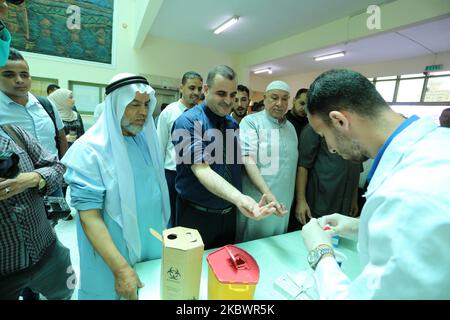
134 130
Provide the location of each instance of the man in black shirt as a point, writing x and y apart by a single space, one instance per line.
297 116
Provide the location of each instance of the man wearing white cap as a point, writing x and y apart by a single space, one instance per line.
116 175
269 149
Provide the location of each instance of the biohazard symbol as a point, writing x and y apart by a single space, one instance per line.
173 274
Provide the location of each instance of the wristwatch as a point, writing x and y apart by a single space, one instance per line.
316 254
42 183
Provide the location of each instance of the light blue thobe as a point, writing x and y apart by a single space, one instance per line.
96 279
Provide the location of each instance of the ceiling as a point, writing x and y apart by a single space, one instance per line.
265 21
424 39
193 21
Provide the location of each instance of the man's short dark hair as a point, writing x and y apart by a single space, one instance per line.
15 55
258 106
52 87
190 75
444 118
243 88
223 70
300 92
341 89
164 105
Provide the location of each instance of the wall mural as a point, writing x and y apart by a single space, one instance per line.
77 29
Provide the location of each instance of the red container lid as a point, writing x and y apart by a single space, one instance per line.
231 264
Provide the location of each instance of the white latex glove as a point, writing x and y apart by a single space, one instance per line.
314 235
344 226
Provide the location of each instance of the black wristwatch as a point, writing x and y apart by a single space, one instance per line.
316 254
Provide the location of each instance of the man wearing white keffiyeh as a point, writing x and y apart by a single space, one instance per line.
116 175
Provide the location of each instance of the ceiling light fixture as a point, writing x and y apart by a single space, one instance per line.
330 56
226 24
268 70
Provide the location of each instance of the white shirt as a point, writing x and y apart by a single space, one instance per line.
404 230
164 127
32 118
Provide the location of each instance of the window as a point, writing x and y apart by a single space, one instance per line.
415 88
386 89
39 85
438 89
410 90
387 78
87 95
433 111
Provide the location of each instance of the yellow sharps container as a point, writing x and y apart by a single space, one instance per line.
232 274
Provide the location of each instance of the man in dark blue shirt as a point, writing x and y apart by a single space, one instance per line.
209 188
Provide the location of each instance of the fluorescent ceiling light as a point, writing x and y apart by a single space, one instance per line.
268 70
330 56
226 24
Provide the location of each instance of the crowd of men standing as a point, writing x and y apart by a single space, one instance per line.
232 176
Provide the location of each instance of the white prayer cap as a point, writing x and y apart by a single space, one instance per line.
278 85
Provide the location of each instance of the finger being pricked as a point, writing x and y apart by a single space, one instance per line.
261 212
263 200
281 210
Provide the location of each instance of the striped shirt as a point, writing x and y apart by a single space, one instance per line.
25 232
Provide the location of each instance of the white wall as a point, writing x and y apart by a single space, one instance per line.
172 59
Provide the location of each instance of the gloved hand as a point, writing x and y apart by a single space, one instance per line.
314 235
344 226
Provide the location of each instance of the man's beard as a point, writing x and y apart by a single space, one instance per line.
133 129
353 151
240 113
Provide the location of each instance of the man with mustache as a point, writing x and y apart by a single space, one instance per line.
404 230
116 176
20 107
269 148
241 103
209 166
297 116
191 89
325 182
